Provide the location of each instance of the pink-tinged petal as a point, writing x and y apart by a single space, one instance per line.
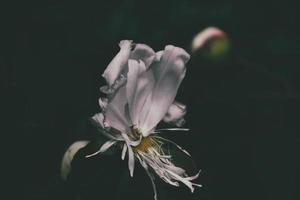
118 63
68 157
103 103
105 127
158 55
175 114
134 68
139 85
115 114
99 120
144 53
208 34
169 72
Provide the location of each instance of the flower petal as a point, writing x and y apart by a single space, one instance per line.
134 69
143 52
103 103
68 157
158 55
139 85
99 120
168 72
115 114
124 151
130 160
118 63
103 148
175 114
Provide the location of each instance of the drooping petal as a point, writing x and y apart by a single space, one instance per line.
103 148
130 160
169 72
118 63
152 182
139 85
175 114
69 155
170 141
124 151
144 53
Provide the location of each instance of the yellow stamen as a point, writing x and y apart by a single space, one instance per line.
146 143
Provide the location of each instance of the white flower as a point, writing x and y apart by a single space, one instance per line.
141 89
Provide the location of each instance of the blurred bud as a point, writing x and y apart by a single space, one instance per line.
211 43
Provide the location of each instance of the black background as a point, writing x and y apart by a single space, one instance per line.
243 112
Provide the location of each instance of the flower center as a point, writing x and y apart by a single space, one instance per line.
146 142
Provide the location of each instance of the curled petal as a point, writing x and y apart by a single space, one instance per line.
144 53
103 103
99 120
168 72
68 157
202 38
158 56
118 63
175 113
131 142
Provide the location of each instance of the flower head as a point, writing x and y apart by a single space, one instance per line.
141 89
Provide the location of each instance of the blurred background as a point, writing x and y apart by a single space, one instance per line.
243 109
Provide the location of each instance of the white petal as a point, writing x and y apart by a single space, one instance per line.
103 148
143 52
171 129
175 114
175 169
131 142
118 63
179 147
68 157
152 182
124 151
130 160
139 85
168 72
183 180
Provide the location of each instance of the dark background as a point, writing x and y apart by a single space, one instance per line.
243 111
